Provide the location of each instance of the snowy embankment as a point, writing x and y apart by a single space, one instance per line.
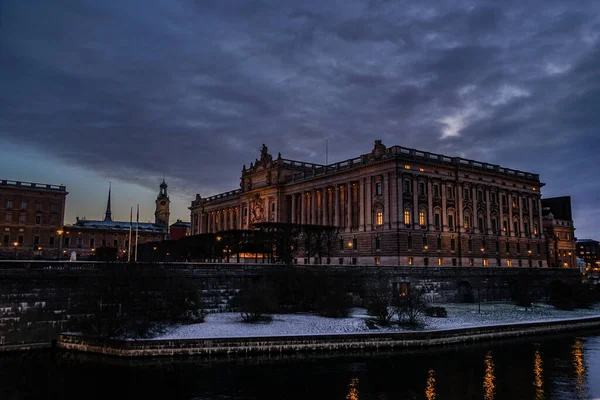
459 316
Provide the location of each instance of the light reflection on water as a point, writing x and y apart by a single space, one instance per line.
538 373
488 379
553 369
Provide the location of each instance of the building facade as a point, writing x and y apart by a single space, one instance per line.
85 236
589 251
30 215
179 229
392 206
557 220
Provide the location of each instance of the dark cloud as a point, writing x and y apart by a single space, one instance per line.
192 88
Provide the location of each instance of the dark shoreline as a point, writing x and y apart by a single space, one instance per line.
334 343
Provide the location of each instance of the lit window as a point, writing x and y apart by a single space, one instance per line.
470 262
410 261
407 166
406 217
377 261
440 261
485 262
509 263
422 218
379 218
421 169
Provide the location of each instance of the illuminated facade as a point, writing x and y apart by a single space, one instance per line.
393 206
30 214
560 232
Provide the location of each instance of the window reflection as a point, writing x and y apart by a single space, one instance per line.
579 365
538 379
430 387
352 390
489 387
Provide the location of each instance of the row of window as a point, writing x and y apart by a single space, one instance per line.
52 220
353 245
485 262
38 206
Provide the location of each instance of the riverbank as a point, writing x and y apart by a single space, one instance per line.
323 342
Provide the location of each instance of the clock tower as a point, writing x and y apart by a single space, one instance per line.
161 215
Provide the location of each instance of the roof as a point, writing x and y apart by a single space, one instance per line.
182 224
118 225
587 241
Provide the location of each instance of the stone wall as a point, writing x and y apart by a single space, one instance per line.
37 299
311 343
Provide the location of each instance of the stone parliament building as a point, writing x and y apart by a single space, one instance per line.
393 206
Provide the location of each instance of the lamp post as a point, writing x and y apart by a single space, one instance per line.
59 232
16 244
529 253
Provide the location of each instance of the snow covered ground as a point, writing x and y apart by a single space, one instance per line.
459 316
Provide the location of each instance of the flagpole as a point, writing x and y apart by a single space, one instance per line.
137 227
129 243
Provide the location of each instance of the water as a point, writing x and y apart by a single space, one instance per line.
565 367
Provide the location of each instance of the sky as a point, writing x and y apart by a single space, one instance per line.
130 91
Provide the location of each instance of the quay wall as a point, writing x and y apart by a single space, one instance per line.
315 343
40 299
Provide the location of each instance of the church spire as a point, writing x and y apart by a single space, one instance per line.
108 214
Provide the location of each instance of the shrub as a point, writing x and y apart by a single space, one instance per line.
381 306
410 309
437 312
256 303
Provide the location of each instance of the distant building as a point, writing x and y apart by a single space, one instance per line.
589 251
85 236
179 229
392 206
560 232
30 216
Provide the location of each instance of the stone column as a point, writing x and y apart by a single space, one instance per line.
540 226
349 202
501 213
530 202
369 204
231 218
393 212
475 212
361 206
248 216
444 221
510 216
239 216
400 181
416 202
336 214
313 207
429 204
460 218
521 222
293 210
303 208
386 201
325 200
488 211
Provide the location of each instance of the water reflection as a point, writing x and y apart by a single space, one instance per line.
430 386
352 390
489 386
579 367
538 371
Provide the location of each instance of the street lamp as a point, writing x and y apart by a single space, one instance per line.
16 244
529 252
59 232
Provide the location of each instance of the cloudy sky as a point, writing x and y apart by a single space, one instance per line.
129 91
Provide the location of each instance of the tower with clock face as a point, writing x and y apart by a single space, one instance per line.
161 215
